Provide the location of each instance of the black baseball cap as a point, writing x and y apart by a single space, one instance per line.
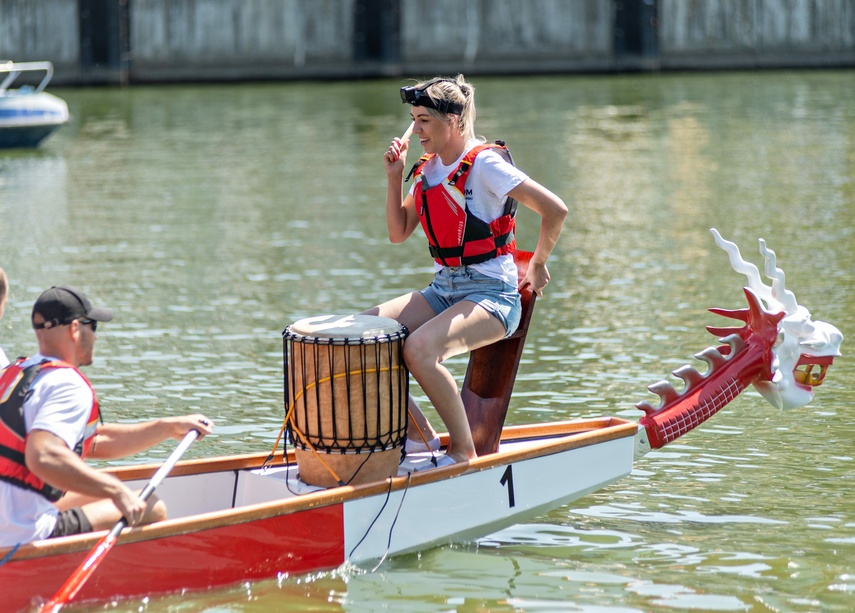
62 305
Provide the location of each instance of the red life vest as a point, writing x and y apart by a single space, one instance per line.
455 236
15 383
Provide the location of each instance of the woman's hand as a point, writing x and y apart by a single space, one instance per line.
552 211
536 278
396 156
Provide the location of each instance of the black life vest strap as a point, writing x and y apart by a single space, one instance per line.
12 415
462 169
441 253
419 162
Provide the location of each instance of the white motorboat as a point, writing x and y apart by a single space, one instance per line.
28 114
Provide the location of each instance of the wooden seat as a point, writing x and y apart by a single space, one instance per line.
491 374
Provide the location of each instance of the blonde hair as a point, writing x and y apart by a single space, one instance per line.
456 90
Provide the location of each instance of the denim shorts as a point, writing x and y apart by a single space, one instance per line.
453 284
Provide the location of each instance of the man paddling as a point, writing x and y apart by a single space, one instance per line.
50 421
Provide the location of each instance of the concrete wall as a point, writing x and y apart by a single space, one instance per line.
234 39
165 40
756 33
506 35
31 31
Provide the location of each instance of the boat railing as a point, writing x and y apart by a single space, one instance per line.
14 69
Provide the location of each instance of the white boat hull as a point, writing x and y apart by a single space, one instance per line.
473 505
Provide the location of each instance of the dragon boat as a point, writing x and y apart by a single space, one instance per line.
252 517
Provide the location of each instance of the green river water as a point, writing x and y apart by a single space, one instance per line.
210 217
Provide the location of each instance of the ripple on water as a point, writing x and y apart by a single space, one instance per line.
574 546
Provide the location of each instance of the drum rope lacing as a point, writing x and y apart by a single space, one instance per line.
355 442
290 422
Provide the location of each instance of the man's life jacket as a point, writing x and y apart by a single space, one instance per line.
15 383
455 236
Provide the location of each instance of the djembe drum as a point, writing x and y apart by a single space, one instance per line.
346 388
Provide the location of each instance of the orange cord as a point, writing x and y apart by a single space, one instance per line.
289 418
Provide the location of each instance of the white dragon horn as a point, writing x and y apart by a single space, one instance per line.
742 267
779 290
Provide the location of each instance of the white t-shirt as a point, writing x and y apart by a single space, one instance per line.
491 178
60 402
4 361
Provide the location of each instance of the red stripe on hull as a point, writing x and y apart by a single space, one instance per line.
295 543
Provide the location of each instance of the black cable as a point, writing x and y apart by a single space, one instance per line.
373 521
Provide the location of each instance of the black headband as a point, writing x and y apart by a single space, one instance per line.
418 96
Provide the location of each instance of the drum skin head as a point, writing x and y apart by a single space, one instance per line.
345 326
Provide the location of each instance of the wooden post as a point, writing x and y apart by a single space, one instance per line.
491 374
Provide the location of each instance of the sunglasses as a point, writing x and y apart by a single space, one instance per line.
420 97
90 322
53 323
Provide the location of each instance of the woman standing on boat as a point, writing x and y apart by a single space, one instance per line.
464 195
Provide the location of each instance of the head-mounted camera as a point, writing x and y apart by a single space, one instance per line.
420 97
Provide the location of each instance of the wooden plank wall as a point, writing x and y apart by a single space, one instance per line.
180 40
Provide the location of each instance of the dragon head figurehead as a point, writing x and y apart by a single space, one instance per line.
779 350
803 349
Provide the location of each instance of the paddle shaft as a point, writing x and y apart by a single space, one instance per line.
79 577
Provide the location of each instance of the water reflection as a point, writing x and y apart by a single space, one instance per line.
33 204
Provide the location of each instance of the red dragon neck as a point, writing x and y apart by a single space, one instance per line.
745 357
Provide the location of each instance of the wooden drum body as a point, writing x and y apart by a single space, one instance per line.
346 390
